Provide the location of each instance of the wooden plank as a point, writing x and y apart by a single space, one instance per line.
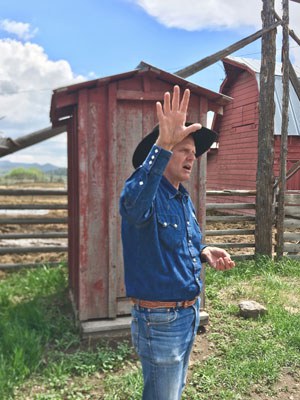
83 295
242 257
291 236
291 247
23 250
292 211
112 195
291 223
229 232
23 207
230 192
139 95
38 235
32 221
230 218
33 192
232 245
18 266
207 61
222 206
294 256
292 199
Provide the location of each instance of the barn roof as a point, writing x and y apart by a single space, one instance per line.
253 66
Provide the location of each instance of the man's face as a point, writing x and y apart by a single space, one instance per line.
180 166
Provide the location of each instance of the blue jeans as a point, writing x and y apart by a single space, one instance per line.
163 339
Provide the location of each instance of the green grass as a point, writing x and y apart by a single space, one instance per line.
42 357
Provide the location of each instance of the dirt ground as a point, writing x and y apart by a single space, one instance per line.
287 388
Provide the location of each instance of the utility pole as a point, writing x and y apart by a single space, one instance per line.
264 176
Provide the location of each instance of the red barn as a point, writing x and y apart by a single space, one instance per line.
232 164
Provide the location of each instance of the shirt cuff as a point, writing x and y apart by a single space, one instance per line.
157 160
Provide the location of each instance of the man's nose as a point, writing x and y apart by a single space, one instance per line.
191 157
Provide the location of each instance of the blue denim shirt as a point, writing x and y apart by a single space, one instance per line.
161 236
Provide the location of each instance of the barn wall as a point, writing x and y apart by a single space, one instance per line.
292 157
233 164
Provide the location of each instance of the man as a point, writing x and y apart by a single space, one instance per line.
163 250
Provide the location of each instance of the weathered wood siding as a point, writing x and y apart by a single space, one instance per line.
292 157
233 164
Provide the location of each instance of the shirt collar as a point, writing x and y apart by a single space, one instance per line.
172 192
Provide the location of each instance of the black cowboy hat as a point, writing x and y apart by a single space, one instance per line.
203 138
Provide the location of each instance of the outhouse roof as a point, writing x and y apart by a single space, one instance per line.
70 91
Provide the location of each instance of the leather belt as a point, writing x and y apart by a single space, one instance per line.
163 304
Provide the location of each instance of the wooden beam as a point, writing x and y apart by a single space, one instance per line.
265 161
8 145
284 128
207 61
293 75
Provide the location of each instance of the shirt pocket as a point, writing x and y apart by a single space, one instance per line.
169 231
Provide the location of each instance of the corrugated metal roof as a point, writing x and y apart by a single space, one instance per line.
294 103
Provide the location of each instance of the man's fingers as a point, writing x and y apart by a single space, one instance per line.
224 263
159 110
175 99
185 101
167 102
192 128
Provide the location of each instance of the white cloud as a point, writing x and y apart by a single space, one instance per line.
196 15
212 14
27 79
21 29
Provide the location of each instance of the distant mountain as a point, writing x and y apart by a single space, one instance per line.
6 166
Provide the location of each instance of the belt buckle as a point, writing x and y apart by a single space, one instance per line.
185 303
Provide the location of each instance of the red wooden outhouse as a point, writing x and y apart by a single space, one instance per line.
105 119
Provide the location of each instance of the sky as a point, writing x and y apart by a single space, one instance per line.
45 45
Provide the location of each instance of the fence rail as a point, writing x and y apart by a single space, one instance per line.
24 235
223 229
233 229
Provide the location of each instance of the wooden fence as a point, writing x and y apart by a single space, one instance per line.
230 223
227 226
20 221
291 226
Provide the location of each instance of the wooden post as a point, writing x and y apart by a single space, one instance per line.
284 129
207 61
264 176
8 145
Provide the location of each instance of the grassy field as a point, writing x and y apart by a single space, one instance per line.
42 357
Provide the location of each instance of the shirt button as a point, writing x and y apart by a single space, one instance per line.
141 183
156 150
152 157
188 222
150 162
175 225
165 224
194 260
190 241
